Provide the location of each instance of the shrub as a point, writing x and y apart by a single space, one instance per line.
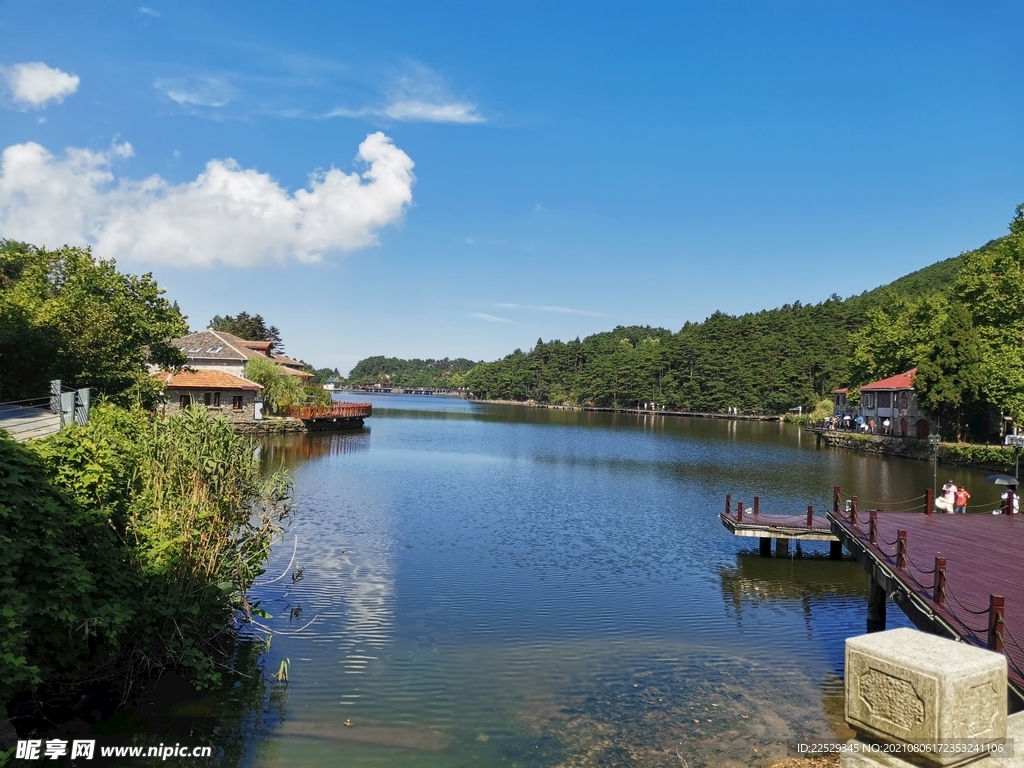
127 547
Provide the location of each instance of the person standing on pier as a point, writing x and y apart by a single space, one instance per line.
962 496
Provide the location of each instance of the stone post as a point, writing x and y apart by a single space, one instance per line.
908 687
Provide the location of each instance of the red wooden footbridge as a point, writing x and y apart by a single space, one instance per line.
959 576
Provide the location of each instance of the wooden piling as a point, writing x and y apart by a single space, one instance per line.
810 515
939 583
901 550
996 604
739 511
929 501
757 504
876 606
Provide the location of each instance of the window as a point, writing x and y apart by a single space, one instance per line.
885 399
207 399
215 349
904 400
185 402
194 349
869 399
237 403
216 399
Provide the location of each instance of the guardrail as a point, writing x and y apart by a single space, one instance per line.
333 411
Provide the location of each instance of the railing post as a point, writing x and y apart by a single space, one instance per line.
901 550
996 603
728 504
810 516
853 509
929 501
739 512
757 504
873 526
939 585
835 498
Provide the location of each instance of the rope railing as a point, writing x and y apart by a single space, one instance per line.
997 636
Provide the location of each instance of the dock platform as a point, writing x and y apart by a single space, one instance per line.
781 529
337 415
959 576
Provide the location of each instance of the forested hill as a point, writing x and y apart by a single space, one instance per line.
395 371
764 362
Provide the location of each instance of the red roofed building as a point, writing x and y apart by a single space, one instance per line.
891 399
218 390
212 349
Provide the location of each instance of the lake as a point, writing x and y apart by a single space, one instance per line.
495 585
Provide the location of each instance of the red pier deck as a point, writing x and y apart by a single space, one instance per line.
752 523
960 576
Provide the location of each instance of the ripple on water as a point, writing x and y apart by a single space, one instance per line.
496 587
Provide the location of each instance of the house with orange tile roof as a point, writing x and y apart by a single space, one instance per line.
893 399
219 391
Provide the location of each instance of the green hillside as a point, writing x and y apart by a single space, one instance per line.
760 362
768 361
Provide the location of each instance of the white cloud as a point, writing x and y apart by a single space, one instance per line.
34 85
423 111
419 95
558 310
144 11
228 214
491 318
203 91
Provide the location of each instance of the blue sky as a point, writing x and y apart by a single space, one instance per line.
430 179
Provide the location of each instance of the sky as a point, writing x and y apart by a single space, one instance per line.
460 179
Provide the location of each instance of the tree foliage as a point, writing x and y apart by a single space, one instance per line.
66 315
280 388
394 371
127 547
248 327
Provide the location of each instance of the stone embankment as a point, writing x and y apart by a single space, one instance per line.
990 457
270 427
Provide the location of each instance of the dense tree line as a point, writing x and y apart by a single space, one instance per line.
394 371
763 362
965 339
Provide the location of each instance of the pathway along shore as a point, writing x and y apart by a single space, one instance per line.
636 411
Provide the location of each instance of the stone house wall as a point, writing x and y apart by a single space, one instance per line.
245 415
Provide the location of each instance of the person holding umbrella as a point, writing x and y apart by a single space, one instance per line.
1009 494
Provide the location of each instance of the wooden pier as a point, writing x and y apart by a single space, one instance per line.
335 416
751 523
959 576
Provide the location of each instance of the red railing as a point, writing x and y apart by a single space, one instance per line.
332 411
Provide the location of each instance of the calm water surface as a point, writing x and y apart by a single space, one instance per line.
487 585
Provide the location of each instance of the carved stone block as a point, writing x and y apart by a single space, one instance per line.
911 687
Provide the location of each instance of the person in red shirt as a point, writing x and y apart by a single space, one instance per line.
961 501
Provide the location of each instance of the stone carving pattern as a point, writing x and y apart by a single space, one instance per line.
892 699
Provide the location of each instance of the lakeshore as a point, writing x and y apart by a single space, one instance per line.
497 583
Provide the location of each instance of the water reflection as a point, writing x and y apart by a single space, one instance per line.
498 585
291 450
